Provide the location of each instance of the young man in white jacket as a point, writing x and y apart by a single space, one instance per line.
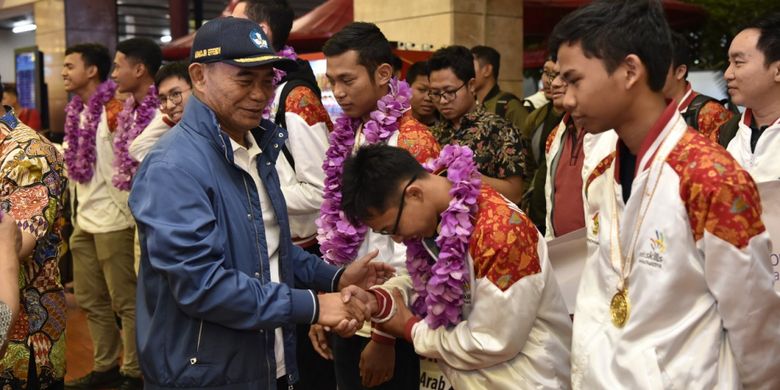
680 294
509 328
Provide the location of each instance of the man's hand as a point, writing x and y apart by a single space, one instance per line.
319 340
343 314
365 273
377 363
367 297
396 325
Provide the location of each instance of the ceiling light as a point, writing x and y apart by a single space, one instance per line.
24 28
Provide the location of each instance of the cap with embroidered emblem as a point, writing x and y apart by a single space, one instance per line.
236 41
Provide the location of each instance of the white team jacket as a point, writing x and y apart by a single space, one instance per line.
703 312
595 146
511 338
762 164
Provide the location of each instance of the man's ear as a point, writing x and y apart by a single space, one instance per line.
634 70
383 74
198 76
414 192
92 71
775 67
139 69
471 86
680 71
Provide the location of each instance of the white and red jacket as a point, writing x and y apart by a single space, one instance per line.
516 331
595 146
703 312
762 163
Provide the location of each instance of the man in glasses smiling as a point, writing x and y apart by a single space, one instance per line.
173 90
498 148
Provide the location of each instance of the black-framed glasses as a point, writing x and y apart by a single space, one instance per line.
175 98
447 95
400 209
550 74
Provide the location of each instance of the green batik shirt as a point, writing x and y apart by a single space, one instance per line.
499 148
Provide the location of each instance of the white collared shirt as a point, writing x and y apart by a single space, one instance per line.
246 159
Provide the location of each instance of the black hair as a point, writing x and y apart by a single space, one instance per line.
769 40
93 54
681 54
398 63
457 58
372 177
174 69
488 55
416 70
279 16
366 39
613 29
143 50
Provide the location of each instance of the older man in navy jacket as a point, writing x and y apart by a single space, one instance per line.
216 304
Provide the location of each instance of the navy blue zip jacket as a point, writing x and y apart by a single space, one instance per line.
206 307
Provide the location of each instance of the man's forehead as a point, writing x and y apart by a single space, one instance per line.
745 43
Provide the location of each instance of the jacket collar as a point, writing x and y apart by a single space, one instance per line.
199 118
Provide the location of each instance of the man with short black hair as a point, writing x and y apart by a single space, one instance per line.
677 290
422 106
487 63
702 112
102 241
499 148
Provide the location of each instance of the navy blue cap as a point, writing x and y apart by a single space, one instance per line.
236 41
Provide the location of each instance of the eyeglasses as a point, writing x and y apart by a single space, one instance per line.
400 209
175 98
550 74
447 95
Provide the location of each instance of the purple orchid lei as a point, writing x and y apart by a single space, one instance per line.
80 156
130 123
339 239
439 283
286 52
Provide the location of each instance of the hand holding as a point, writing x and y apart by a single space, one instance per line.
365 273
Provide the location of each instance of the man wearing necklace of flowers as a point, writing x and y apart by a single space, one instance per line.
101 243
221 286
499 147
680 291
32 183
376 110
480 297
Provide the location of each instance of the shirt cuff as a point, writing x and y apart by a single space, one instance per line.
408 329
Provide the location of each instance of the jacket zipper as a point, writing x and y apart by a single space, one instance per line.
194 359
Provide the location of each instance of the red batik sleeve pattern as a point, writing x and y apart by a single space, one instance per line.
720 197
303 101
113 108
599 170
417 139
711 117
550 138
504 242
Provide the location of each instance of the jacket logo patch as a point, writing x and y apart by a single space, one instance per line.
655 257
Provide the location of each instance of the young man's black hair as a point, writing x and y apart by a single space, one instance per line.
94 54
769 41
367 40
142 50
681 54
418 69
398 64
612 29
457 58
279 16
372 178
175 69
488 55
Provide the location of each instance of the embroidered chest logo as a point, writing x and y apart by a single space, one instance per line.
595 225
655 257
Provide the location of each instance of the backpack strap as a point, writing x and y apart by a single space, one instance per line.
503 102
729 130
691 115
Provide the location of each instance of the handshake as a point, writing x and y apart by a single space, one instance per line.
344 312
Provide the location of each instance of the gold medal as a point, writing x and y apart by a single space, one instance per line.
619 308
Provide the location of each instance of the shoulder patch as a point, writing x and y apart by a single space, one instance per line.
504 242
417 139
302 101
113 108
719 195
